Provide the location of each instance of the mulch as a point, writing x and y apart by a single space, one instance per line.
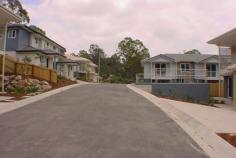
229 137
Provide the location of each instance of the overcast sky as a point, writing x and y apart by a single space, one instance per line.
164 26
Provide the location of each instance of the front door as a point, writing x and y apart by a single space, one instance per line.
230 87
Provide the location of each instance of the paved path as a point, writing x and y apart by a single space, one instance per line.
93 121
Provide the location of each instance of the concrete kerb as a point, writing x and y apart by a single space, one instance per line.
17 104
211 143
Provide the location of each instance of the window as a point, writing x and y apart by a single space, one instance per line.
185 67
211 70
12 34
36 40
160 69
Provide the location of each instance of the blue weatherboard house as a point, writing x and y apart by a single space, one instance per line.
24 42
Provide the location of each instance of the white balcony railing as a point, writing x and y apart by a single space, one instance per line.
181 74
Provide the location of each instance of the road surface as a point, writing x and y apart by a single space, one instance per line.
93 121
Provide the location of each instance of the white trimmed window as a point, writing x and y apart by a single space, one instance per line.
11 34
185 67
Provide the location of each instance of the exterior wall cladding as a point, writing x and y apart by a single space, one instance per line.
14 43
195 91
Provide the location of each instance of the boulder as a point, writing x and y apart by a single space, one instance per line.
10 88
21 83
12 77
44 88
44 83
18 77
6 78
14 82
35 82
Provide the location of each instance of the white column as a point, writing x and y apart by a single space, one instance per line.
219 74
234 88
4 57
151 72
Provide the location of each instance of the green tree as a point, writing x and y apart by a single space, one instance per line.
95 51
192 51
84 54
16 6
131 53
37 29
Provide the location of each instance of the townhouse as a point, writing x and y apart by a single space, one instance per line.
166 68
25 42
87 70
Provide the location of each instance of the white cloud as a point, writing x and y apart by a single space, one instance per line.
165 26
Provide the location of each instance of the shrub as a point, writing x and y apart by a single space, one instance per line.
31 89
18 91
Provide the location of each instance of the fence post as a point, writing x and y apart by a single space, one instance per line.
50 75
32 72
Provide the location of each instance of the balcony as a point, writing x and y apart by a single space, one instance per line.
161 73
190 74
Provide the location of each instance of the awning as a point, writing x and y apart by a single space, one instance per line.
7 16
227 39
231 67
226 73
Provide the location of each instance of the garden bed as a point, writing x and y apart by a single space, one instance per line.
229 137
20 87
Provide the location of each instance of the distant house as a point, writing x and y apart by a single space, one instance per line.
23 41
67 68
166 68
87 69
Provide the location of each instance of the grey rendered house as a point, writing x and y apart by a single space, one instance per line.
226 44
166 68
22 42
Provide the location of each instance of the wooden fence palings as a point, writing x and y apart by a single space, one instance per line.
19 68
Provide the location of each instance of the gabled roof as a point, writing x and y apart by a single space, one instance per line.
77 58
27 28
213 56
158 56
195 58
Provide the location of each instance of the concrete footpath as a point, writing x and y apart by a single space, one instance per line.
200 122
6 107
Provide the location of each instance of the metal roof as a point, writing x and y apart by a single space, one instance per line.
77 58
227 39
196 58
27 28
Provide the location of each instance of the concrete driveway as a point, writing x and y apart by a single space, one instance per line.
93 121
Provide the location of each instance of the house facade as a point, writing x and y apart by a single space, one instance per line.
26 44
87 69
226 44
68 68
6 16
183 68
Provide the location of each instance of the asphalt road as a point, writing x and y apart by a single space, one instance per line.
93 121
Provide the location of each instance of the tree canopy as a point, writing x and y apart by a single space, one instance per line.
192 51
131 53
16 6
123 65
